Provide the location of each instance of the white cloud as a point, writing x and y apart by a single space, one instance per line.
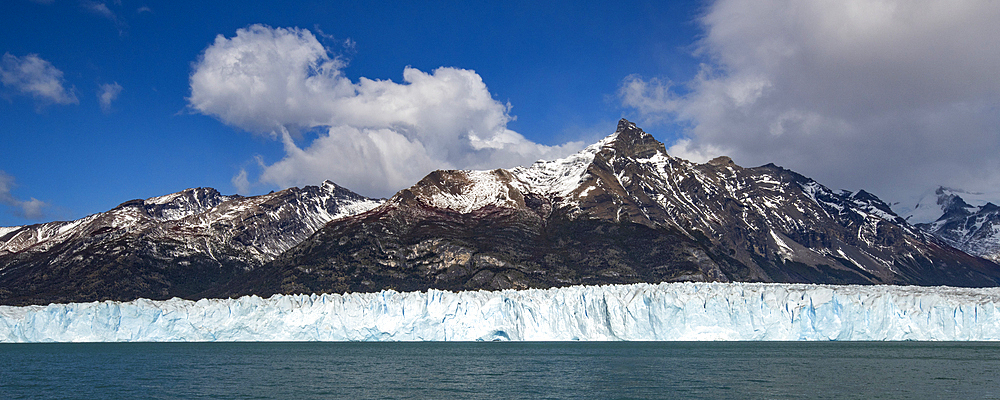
36 77
107 93
99 8
33 209
701 154
377 160
893 96
377 136
241 182
653 98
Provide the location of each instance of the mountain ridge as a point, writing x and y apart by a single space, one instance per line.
173 245
620 211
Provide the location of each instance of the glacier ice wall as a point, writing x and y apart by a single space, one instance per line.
668 311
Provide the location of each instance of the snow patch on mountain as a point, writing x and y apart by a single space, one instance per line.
4 230
349 208
480 189
559 177
668 311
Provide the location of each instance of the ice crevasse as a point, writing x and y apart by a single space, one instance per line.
667 311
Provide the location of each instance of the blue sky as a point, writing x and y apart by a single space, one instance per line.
558 65
893 97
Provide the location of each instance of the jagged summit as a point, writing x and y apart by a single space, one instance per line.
625 125
631 141
722 161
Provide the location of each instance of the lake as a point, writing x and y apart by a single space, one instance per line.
491 370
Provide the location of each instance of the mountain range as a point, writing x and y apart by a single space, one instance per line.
620 211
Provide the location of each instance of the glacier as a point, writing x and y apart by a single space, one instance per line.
663 312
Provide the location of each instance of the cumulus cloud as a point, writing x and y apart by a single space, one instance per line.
893 96
376 136
33 209
107 93
33 76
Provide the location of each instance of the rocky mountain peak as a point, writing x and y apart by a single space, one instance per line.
722 161
175 205
868 198
329 186
631 141
339 192
624 124
954 206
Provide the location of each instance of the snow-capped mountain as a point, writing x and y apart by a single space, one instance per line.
620 211
174 245
973 228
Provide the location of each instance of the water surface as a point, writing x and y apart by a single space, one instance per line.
604 370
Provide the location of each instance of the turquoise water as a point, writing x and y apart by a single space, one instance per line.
711 370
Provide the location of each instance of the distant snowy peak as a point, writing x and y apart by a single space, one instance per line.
945 201
973 228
